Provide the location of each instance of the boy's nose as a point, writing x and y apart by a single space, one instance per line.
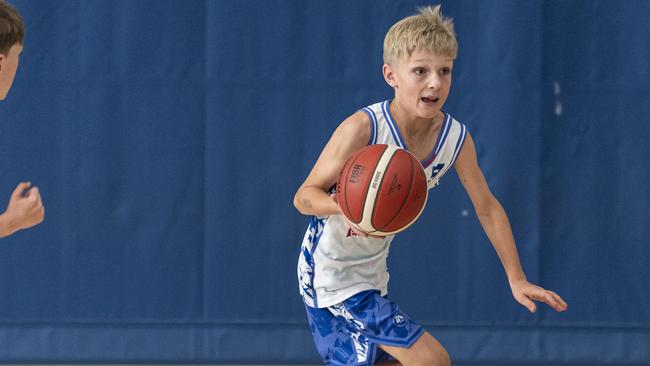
434 82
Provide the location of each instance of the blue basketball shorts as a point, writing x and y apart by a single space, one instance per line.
349 333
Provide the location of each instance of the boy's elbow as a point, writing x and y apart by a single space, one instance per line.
298 204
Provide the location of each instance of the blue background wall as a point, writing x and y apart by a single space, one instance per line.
168 139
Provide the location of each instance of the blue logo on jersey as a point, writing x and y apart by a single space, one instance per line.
436 170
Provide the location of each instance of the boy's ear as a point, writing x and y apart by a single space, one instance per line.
389 75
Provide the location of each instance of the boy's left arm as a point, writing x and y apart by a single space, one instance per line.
495 222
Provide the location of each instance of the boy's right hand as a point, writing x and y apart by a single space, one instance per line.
350 225
25 208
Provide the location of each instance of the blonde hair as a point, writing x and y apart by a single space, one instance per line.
428 30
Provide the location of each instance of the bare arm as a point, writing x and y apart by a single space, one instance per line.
313 198
496 225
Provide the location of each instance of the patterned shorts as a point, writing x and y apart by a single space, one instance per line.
349 333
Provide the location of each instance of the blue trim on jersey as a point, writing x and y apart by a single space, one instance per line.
442 136
460 143
307 289
393 126
400 141
317 225
373 125
445 132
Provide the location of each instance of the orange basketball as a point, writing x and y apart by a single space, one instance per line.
382 189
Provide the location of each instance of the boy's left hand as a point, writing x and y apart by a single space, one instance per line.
526 293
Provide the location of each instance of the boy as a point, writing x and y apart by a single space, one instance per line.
25 208
343 276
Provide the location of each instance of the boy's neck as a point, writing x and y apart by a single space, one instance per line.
411 125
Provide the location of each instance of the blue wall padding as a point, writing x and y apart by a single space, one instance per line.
168 139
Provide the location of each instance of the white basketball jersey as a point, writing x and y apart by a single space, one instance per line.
334 263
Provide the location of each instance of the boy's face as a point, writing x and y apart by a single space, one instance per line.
421 82
8 66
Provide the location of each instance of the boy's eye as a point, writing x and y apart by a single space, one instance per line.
419 71
445 71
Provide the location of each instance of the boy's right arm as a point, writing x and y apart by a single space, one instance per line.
25 210
313 197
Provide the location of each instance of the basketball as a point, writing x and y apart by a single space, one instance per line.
382 189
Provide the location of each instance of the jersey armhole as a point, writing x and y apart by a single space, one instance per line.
459 143
373 125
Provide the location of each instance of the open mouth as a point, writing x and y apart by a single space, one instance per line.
430 100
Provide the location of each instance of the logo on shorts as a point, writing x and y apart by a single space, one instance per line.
399 320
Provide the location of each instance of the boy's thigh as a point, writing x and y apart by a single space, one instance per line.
426 350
